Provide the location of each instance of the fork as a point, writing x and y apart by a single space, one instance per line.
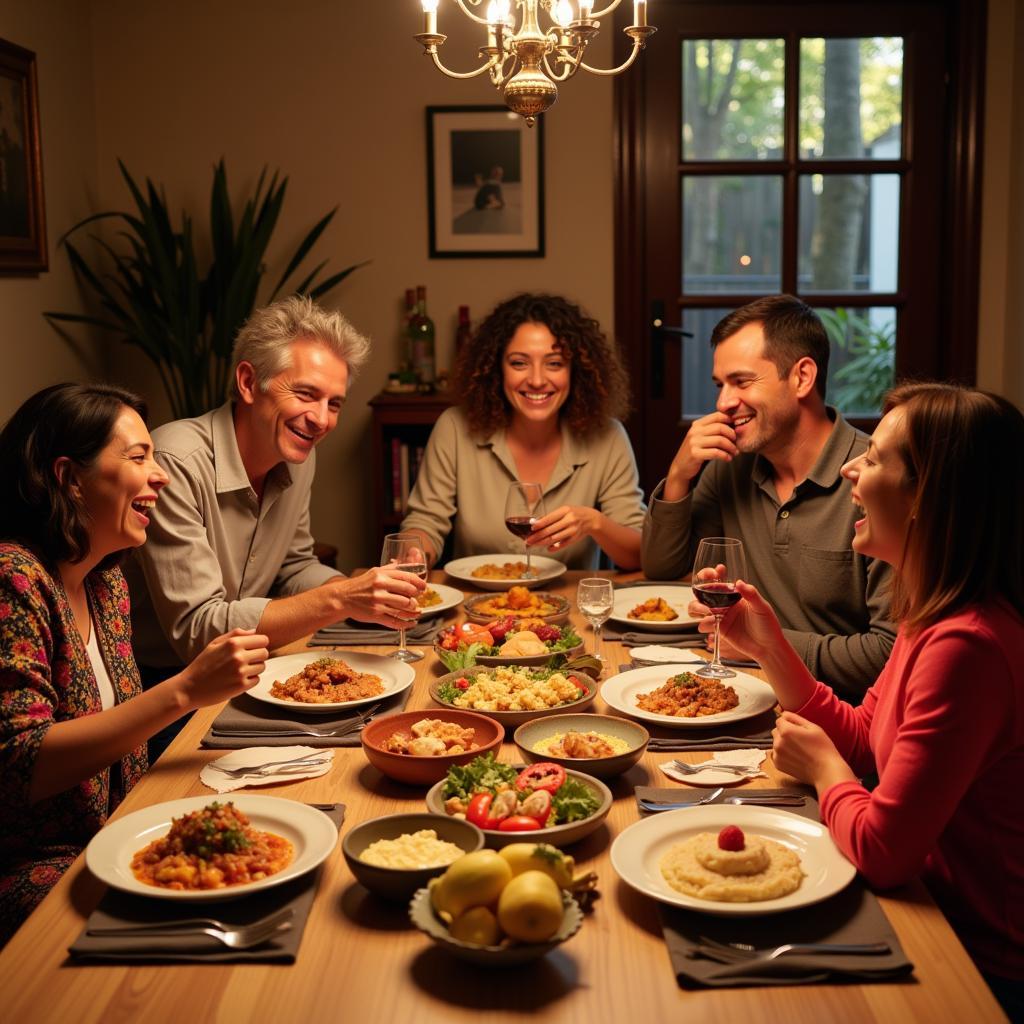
243 936
306 760
693 769
738 952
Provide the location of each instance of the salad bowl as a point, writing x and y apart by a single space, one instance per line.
470 644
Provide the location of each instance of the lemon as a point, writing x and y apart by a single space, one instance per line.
474 880
477 925
540 857
530 907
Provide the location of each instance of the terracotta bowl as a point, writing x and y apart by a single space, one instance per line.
401 883
632 733
423 771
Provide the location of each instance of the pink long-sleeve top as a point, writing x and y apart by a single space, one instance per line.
943 727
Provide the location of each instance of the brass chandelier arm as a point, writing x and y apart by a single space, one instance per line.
469 14
483 69
599 14
639 35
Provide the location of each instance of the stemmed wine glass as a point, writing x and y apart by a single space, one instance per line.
404 551
524 505
594 599
720 562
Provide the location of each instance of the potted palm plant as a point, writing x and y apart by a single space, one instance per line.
153 294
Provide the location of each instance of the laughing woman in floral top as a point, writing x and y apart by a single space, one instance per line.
77 464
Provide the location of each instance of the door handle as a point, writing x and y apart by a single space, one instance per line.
659 333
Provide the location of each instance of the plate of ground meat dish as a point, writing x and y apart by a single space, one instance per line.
202 849
501 571
672 695
654 608
319 683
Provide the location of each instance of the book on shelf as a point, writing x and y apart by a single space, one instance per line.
396 475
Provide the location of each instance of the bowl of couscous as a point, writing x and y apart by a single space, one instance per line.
601 745
397 854
514 694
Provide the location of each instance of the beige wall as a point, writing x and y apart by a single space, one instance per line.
180 84
1000 336
34 355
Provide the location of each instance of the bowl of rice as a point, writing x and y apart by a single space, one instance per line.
397 854
600 745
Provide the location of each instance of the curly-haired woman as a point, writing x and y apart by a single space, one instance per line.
77 462
540 392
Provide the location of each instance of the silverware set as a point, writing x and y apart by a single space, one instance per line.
291 766
235 936
740 952
743 771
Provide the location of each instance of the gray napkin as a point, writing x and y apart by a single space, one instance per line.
243 714
853 915
352 634
123 909
679 744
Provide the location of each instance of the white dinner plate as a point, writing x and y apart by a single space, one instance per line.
450 598
621 692
109 853
547 569
637 851
395 676
676 597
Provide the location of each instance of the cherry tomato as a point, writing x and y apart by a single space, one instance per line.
537 805
479 807
519 823
462 684
542 775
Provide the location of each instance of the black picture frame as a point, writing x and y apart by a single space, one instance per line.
485 183
22 210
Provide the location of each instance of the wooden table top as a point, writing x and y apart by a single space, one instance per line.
361 959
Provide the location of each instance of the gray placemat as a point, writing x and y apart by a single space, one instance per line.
123 909
853 915
243 714
349 633
680 744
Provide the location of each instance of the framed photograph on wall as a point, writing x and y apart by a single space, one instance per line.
485 183
22 216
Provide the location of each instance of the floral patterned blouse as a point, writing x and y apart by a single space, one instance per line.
46 677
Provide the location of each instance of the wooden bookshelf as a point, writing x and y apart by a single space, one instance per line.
399 422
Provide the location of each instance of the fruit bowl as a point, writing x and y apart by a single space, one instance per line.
421 913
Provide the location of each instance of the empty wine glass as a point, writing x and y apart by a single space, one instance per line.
404 551
720 562
524 505
594 599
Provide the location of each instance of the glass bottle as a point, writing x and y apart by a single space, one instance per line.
421 331
463 332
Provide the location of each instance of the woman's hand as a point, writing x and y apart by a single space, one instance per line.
802 749
227 666
750 627
566 524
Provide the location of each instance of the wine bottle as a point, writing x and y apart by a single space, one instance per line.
407 319
463 332
422 333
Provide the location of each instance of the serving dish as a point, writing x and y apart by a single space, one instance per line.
401 883
450 598
546 569
621 691
418 770
637 851
676 596
556 835
601 767
474 613
395 676
421 913
511 659
510 719
109 854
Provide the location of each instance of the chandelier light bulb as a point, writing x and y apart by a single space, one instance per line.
429 6
563 13
586 9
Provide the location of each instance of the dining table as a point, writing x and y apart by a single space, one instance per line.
362 960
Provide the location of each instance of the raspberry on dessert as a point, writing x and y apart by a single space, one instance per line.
731 838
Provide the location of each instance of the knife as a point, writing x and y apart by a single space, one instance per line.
781 800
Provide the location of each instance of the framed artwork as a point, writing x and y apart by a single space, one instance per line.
22 215
485 183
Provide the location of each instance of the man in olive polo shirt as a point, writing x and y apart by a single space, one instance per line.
764 467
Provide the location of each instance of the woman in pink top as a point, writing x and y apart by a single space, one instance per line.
942 490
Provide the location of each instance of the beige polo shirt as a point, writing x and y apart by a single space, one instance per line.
463 481
214 554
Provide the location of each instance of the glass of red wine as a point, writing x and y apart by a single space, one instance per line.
720 562
524 505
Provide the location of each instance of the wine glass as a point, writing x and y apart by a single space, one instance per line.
404 551
720 562
594 599
524 505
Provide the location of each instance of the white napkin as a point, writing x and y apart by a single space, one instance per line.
252 757
710 777
661 653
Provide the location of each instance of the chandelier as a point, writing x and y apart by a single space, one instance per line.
526 64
